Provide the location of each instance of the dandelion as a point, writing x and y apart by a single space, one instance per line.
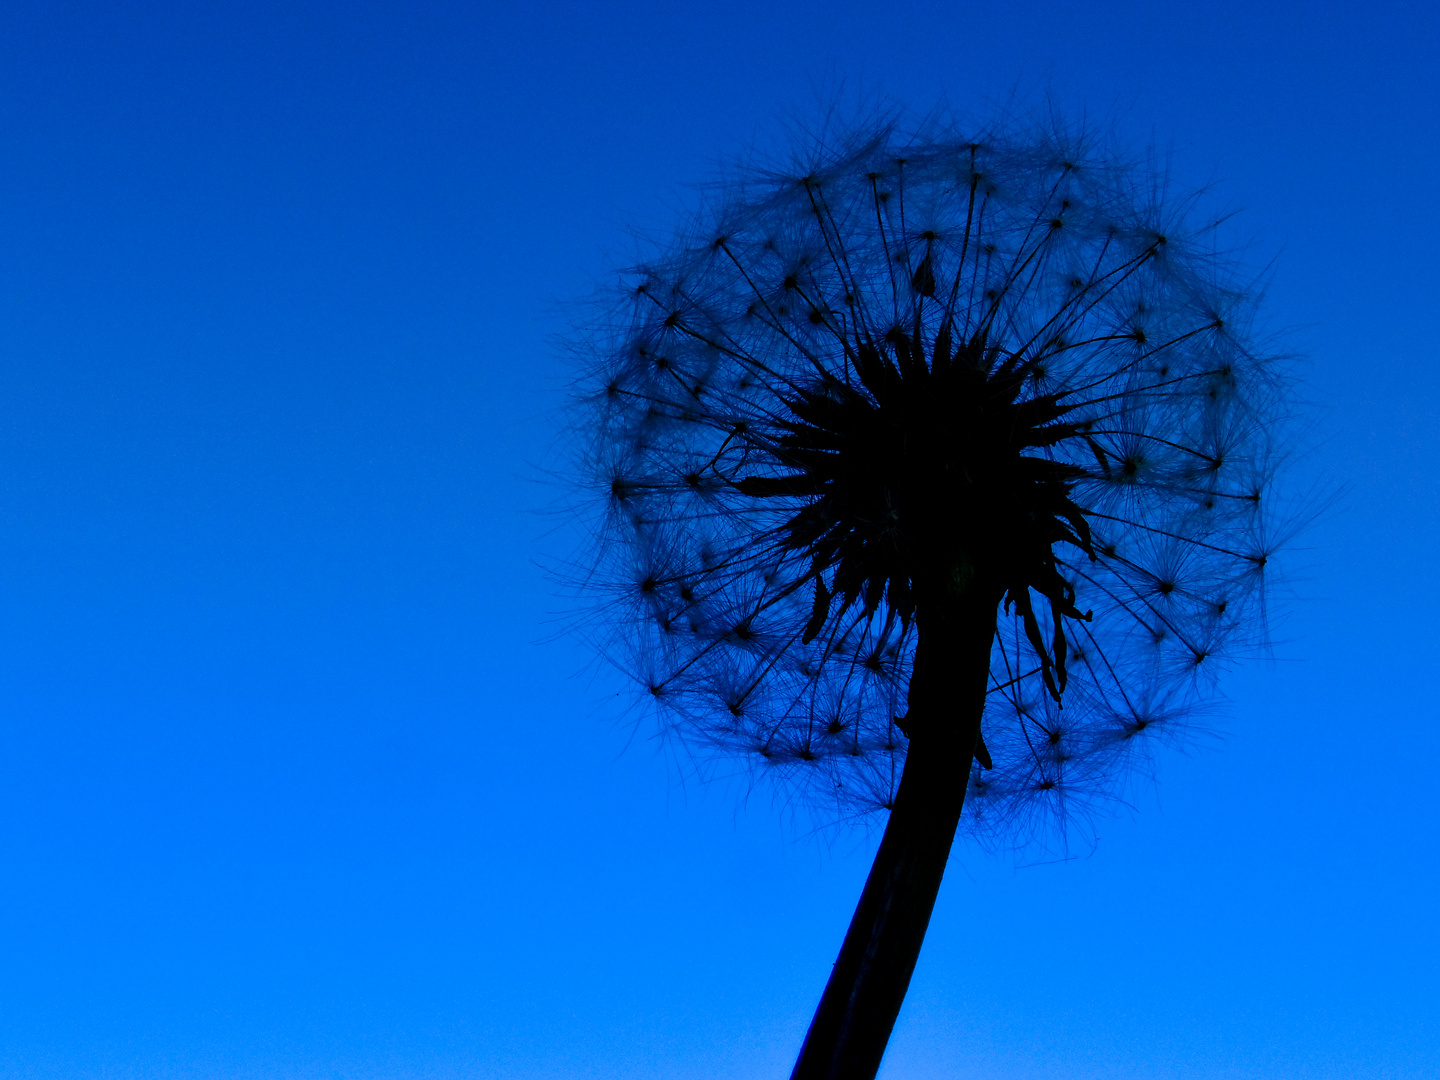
933 466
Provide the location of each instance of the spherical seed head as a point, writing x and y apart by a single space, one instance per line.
916 367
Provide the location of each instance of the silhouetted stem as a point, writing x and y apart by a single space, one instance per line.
852 1024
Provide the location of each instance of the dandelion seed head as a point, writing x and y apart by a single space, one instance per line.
915 363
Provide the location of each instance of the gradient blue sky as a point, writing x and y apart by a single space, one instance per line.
290 783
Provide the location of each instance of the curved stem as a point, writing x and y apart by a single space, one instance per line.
852 1024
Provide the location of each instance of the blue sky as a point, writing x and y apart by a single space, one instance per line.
293 782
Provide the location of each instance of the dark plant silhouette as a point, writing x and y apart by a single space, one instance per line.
932 470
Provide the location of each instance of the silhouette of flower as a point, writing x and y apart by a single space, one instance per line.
945 447
980 352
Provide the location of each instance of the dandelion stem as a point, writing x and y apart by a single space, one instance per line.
858 1009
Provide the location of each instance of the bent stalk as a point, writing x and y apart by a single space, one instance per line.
857 1011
